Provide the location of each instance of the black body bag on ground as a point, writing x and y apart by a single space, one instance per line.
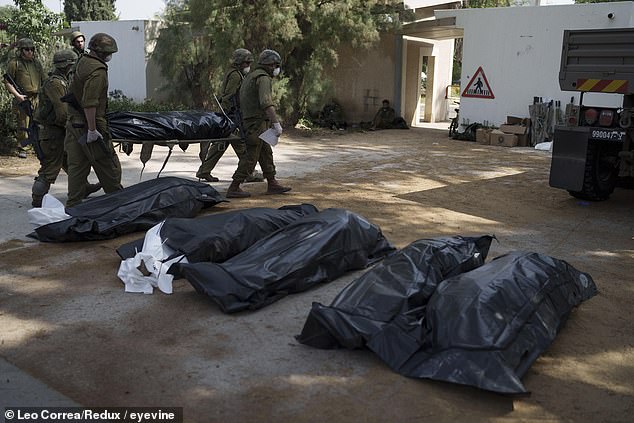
397 288
486 327
314 249
135 208
217 237
157 126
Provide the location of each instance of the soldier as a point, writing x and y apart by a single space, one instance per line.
78 41
28 73
88 142
240 66
51 114
384 116
258 113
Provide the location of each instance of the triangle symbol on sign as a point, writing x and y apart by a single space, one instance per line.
478 86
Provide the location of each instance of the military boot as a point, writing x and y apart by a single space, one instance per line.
255 176
40 188
234 191
92 188
275 187
207 177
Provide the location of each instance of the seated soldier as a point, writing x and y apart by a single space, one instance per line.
386 118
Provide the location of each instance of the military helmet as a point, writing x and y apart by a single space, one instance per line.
25 43
241 55
103 43
63 58
269 57
76 34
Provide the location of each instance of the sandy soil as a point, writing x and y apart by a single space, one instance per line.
66 320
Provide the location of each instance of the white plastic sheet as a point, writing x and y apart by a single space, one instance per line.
52 211
148 268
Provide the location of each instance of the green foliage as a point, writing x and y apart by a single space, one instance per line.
28 19
199 36
118 102
7 123
91 10
31 19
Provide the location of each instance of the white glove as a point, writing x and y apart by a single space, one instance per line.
277 128
93 136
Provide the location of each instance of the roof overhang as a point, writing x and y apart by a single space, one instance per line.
433 29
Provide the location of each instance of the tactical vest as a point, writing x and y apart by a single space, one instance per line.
249 99
231 100
45 112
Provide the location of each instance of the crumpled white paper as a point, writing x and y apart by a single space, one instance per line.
52 211
148 269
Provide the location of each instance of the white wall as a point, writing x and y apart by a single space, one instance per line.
127 69
519 49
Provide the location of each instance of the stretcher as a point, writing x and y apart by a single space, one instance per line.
168 129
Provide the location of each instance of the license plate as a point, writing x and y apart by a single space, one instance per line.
607 135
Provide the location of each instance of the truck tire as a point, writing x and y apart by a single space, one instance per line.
601 172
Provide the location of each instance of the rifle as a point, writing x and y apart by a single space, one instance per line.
238 118
235 112
33 129
72 101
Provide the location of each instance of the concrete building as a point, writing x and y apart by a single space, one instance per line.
518 50
392 70
132 69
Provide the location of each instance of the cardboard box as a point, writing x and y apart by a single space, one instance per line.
523 140
504 140
482 136
512 120
513 129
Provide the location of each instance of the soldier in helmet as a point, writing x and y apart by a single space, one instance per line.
258 114
78 43
240 66
51 114
88 142
28 73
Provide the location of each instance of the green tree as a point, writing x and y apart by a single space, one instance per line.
89 10
194 47
28 19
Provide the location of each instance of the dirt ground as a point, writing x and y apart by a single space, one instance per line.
65 319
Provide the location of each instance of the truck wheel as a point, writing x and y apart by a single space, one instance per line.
601 173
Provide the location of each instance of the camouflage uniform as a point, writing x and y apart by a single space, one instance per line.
258 112
51 114
232 82
73 36
29 75
90 88
255 96
384 118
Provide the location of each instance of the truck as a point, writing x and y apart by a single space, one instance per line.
592 152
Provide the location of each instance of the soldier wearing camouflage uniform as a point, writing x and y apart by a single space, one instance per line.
78 42
258 114
240 66
88 142
51 114
28 73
